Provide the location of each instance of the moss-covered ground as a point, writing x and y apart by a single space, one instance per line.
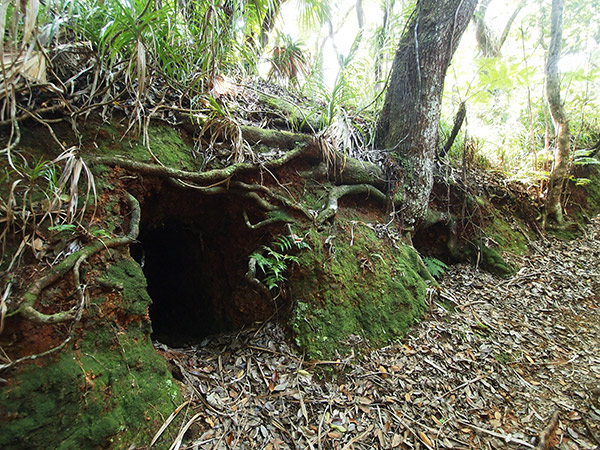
165 143
355 284
110 390
502 233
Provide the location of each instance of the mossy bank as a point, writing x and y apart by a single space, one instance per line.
107 387
355 282
110 389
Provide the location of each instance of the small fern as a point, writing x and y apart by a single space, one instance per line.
273 260
436 267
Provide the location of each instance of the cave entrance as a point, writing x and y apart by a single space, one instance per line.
433 241
194 253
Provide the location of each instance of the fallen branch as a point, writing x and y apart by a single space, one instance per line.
465 384
27 309
168 422
506 437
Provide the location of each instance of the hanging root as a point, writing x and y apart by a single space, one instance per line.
255 282
72 262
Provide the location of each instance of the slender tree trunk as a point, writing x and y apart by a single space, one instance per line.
408 124
559 117
269 22
387 7
489 44
458 121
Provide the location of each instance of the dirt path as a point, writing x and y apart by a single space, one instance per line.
487 368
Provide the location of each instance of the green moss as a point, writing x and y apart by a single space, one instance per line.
592 190
491 260
508 239
567 231
166 143
110 390
298 117
369 288
108 394
128 274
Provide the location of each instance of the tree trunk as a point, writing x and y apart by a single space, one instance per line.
488 43
559 117
269 22
387 9
458 121
408 124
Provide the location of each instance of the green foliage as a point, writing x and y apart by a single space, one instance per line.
436 267
275 259
63 227
585 157
288 59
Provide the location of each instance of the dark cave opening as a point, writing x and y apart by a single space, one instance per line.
433 241
181 309
194 252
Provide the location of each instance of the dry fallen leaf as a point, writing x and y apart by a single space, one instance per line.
396 440
425 439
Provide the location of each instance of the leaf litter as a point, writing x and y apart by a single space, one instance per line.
495 364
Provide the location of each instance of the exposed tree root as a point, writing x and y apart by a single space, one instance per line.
72 262
347 170
255 282
275 196
264 223
339 191
210 176
77 318
547 434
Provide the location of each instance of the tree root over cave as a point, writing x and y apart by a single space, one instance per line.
72 262
361 181
211 176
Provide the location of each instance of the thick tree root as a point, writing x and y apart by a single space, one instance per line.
72 262
347 170
255 282
211 176
339 191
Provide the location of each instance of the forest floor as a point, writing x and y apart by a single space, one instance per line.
496 363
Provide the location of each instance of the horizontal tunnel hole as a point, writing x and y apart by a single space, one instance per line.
177 272
195 251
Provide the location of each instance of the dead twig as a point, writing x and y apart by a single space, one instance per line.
168 422
505 437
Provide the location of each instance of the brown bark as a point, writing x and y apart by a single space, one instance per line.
408 124
553 207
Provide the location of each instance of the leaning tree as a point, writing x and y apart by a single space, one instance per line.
409 119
